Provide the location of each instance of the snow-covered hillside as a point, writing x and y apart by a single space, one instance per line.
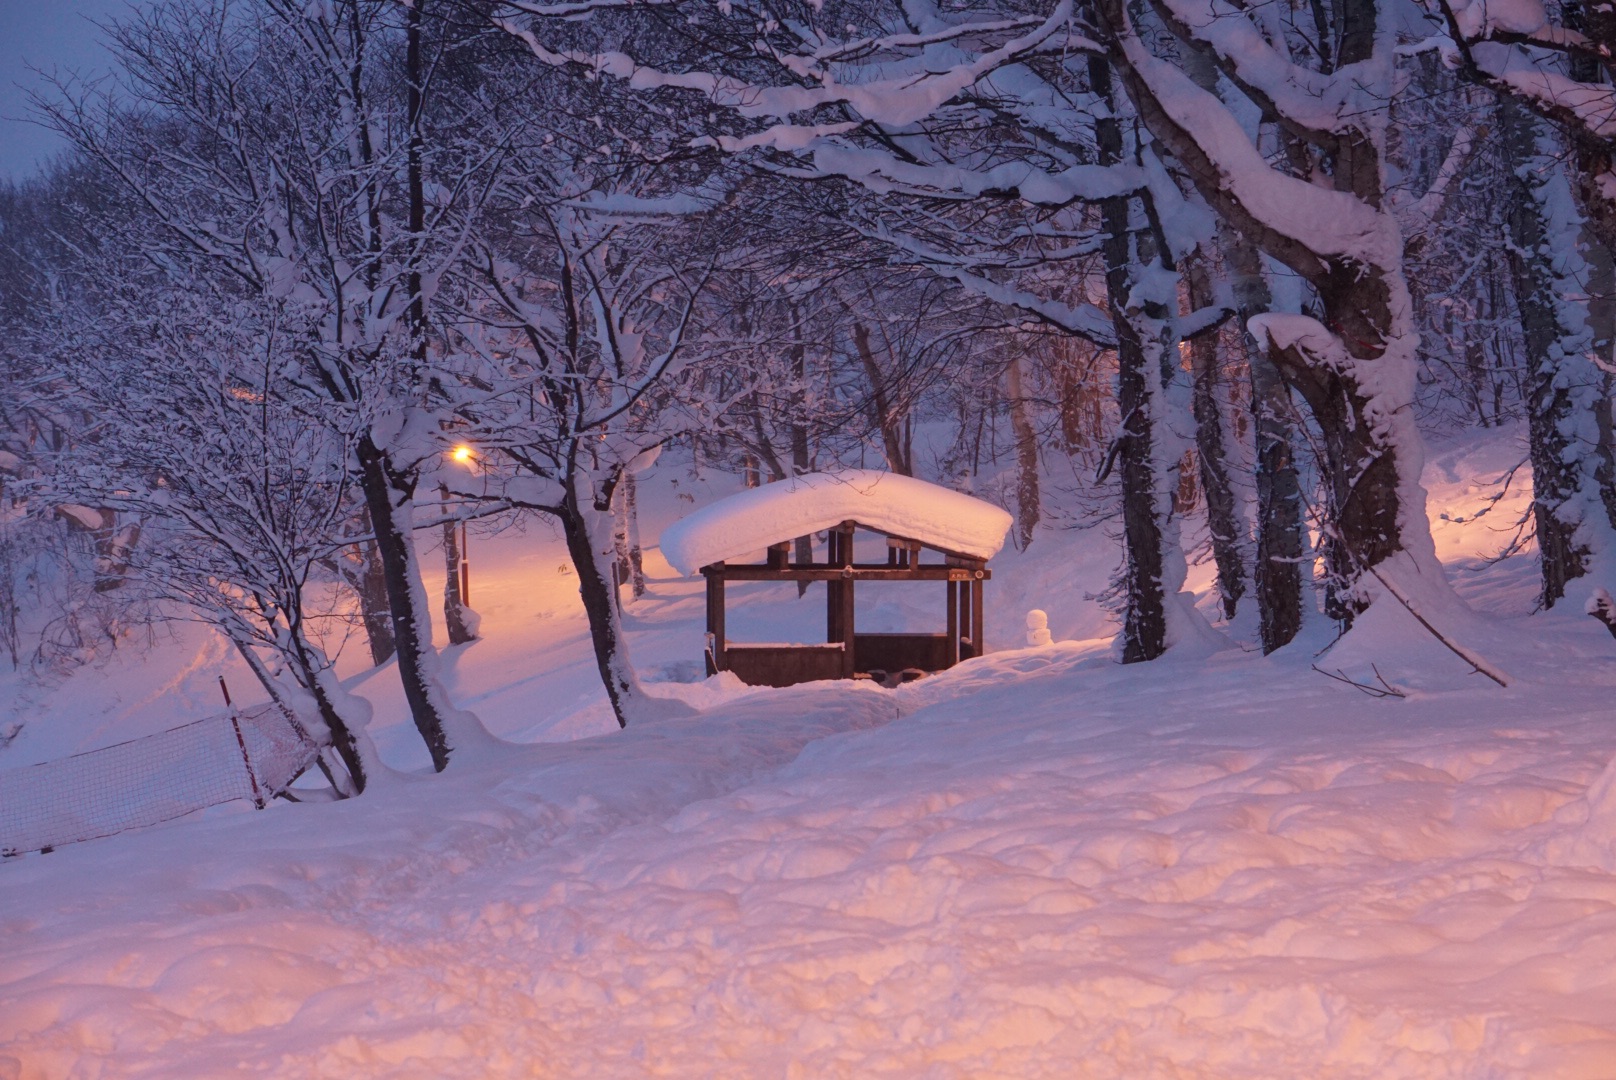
1041 863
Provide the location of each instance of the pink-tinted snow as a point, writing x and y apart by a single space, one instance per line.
1040 864
749 521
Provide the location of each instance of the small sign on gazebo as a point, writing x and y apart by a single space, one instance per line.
914 517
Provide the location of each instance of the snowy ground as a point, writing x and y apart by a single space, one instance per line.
1039 864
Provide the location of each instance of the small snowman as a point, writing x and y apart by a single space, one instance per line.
1038 629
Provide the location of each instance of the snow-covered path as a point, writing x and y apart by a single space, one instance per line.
1049 865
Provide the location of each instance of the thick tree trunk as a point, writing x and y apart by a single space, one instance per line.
587 532
1147 458
1356 367
1222 511
388 494
1281 539
1569 446
1364 471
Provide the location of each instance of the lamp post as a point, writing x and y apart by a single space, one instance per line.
464 455
457 564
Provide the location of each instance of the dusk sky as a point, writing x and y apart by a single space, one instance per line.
43 34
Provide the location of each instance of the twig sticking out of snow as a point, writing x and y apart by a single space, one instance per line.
1475 660
1384 690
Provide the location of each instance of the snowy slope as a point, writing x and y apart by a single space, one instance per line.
1041 863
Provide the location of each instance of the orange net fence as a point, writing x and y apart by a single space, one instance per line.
252 754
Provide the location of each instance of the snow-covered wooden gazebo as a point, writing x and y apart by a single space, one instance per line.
913 515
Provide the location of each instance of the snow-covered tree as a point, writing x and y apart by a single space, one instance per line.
1567 392
279 145
958 107
1354 364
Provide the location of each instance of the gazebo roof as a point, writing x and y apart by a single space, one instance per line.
898 505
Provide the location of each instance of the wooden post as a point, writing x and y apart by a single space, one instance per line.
977 646
845 586
833 601
953 623
465 567
967 643
844 544
715 614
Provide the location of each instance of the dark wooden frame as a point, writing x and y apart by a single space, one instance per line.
848 654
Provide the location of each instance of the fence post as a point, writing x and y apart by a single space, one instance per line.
235 724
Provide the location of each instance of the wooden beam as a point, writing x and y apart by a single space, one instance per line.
833 618
849 660
953 622
977 644
965 619
859 571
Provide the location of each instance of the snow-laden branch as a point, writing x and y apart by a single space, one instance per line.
909 94
1316 106
1087 321
1304 225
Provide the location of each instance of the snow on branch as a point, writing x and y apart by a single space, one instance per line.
906 96
1305 225
1317 106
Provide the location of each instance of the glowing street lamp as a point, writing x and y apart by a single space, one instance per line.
462 455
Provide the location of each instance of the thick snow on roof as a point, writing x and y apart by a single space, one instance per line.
752 520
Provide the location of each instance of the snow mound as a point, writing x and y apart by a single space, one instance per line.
752 520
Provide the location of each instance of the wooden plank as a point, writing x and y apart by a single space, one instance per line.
893 653
860 571
785 665
715 619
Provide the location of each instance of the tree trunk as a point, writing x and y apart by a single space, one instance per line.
1028 505
1570 453
361 570
1356 366
388 494
631 535
459 621
309 666
803 548
1222 511
886 419
1277 574
371 584
592 557
1146 457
